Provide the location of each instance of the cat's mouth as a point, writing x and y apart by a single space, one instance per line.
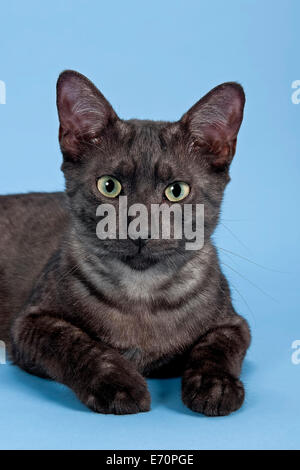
145 257
139 262
142 258
139 254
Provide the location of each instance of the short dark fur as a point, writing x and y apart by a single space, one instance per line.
98 316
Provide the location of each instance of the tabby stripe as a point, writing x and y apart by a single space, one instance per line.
90 287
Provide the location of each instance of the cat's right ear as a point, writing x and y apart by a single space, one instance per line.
83 113
213 123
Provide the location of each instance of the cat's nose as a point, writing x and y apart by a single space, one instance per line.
140 242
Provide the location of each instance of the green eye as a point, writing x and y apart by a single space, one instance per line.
109 186
177 191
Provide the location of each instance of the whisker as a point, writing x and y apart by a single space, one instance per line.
235 237
250 261
250 282
244 300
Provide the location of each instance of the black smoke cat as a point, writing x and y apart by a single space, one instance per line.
99 316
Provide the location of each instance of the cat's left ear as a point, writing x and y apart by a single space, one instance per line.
214 121
83 112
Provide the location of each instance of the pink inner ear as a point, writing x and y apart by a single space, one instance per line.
224 153
83 111
214 121
69 142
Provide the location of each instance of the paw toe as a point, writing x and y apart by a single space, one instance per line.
213 395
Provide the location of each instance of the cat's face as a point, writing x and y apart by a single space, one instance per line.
149 162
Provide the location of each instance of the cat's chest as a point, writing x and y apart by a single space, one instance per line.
145 315
143 336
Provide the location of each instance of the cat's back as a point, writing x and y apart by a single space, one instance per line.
31 227
30 223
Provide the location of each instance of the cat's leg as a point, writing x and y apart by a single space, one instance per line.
210 383
101 378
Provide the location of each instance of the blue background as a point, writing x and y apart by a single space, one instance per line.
154 60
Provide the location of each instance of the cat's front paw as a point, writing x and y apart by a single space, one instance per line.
214 394
121 391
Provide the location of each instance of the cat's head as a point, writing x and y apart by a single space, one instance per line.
150 162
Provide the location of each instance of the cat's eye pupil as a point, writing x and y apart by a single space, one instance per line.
109 185
176 190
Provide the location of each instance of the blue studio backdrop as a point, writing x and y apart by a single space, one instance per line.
154 60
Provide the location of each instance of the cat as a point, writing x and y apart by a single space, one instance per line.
101 315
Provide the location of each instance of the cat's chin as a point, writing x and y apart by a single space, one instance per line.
139 262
